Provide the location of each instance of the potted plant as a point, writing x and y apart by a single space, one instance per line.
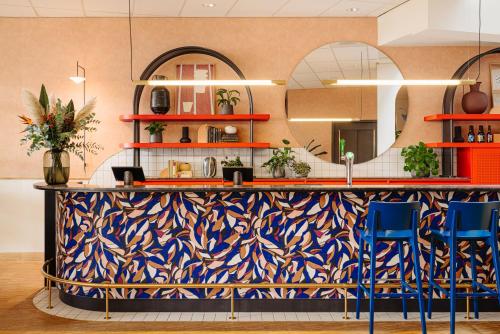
227 100
282 157
236 162
301 168
420 160
155 131
58 128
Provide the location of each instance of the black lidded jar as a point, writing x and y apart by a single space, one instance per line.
160 97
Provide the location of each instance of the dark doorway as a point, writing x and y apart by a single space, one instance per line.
360 138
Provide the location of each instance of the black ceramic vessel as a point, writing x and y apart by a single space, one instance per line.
185 135
160 97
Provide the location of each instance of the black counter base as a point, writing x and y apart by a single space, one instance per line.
261 305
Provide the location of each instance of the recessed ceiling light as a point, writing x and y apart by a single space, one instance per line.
209 5
353 9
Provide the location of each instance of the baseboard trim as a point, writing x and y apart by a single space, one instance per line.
260 305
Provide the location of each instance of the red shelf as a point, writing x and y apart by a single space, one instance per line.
196 145
462 117
195 118
463 145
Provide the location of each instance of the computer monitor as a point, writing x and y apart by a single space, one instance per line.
137 173
246 173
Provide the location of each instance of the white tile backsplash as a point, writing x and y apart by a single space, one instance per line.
389 164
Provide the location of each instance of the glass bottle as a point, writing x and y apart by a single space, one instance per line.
489 135
471 137
480 135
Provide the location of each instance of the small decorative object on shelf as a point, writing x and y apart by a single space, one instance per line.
177 169
420 160
471 137
480 135
160 97
457 138
209 167
227 100
155 131
236 162
489 135
281 159
301 168
475 101
185 135
230 134
58 128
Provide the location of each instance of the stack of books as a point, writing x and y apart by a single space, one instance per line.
230 138
212 134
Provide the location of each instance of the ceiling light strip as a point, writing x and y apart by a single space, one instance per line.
452 82
209 82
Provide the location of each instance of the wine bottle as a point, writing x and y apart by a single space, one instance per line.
471 137
489 135
480 135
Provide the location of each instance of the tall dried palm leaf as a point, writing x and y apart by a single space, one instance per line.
33 106
85 111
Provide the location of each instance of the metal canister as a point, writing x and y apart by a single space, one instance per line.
237 178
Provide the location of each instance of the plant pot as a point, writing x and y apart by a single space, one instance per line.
227 109
414 175
156 137
475 101
279 172
56 167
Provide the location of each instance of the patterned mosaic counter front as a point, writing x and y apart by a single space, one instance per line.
221 237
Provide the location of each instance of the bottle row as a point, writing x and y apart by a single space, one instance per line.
480 137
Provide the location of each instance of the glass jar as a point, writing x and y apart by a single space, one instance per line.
56 166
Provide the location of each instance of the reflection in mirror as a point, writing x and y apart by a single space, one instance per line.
367 119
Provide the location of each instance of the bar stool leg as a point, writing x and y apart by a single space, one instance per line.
472 251
402 277
359 292
431 278
494 252
418 278
373 265
453 277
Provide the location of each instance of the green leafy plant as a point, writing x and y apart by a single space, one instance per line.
420 160
229 97
236 162
56 126
301 168
282 157
155 127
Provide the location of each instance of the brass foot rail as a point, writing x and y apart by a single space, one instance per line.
231 286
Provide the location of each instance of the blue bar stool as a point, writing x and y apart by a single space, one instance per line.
391 222
471 222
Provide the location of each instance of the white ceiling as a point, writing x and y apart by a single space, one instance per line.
195 8
337 61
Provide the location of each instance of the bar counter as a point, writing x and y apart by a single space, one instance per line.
300 233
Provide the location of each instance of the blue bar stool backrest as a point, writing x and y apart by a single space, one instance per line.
472 215
386 216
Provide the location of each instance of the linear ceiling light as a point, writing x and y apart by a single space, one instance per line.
209 82
324 119
452 82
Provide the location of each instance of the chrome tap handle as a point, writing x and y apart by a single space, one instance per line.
349 162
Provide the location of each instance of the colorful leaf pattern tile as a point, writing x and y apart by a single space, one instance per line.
236 237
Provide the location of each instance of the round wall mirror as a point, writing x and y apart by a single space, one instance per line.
365 120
